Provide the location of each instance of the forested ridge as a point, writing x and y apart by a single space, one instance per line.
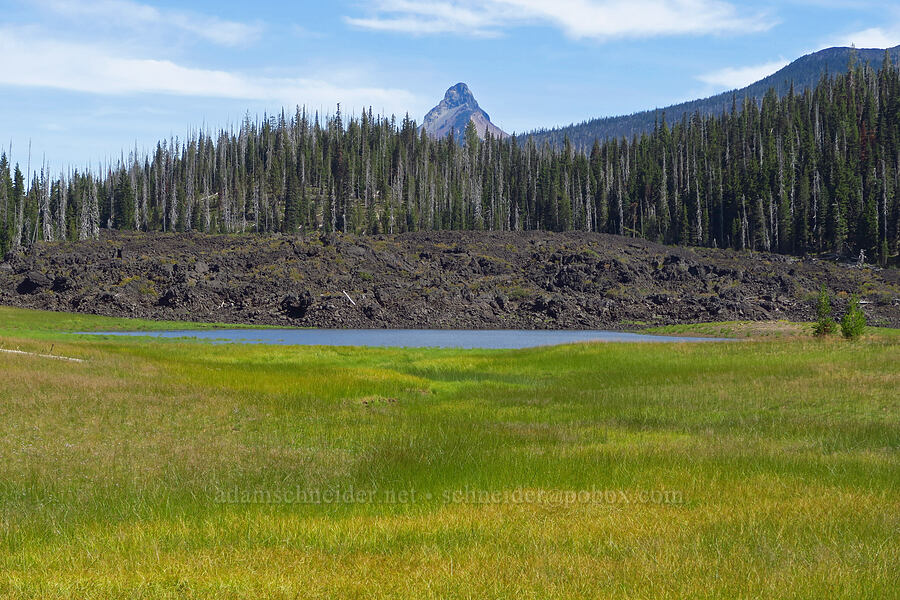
803 73
811 172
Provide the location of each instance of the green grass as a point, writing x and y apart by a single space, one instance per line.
738 329
777 460
755 330
38 324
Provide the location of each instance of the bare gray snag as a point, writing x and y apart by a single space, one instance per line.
94 213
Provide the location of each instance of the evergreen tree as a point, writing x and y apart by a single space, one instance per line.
123 201
292 206
853 325
825 324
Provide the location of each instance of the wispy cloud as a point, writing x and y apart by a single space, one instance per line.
579 19
732 78
137 17
97 69
874 37
884 32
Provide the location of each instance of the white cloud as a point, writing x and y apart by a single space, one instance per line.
96 69
137 16
732 78
423 17
875 37
579 19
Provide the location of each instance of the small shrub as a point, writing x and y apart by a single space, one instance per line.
825 325
517 293
853 324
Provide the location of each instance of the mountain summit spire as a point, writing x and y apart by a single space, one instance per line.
455 111
460 95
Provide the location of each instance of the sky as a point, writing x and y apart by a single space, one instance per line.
84 82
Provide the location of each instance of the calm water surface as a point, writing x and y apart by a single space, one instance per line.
410 338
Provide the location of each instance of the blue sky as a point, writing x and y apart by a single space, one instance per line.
85 80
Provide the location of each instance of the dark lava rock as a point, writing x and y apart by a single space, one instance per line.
296 306
169 298
163 270
373 312
571 278
788 286
502 301
438 279
551 306
63 284
34 282
698 271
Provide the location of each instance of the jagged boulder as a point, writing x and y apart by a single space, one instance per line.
34 282
296 306
168 299
62 284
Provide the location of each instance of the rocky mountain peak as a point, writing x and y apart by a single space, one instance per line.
454 113
460 95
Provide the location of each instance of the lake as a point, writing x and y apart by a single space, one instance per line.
411 338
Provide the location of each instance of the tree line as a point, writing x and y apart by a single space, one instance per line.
811 172
801 74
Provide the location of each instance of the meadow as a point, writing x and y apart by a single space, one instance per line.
768 468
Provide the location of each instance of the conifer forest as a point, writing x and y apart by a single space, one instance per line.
811 172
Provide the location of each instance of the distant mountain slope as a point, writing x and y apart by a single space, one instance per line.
455 111
803 73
